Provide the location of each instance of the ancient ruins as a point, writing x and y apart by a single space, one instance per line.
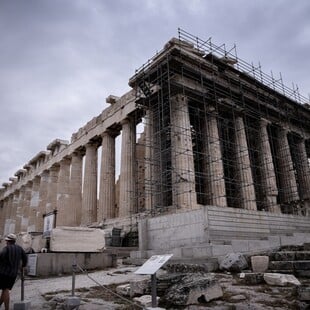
224 157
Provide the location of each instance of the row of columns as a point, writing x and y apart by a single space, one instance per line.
60 187
184 194
72 191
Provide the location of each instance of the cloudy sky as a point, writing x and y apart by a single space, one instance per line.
60 59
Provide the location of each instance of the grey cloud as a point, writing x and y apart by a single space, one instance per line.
61 59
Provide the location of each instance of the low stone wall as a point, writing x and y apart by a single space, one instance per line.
213 231
53 264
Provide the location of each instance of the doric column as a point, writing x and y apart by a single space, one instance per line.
42 199
14 209
8 228
267 172
75 189
89 200
63 212
127 196
182 159
303 172
149 163
215 181
2 216
106 207
5 213
51 200
19 211
34 204
243 166
287 180
26 207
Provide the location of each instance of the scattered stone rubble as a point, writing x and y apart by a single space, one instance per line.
192 287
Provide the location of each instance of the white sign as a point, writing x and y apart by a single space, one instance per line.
48 225
153 264
32 264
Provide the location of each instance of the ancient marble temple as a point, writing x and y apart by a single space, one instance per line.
215 133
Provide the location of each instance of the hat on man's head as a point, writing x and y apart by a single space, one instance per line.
10 237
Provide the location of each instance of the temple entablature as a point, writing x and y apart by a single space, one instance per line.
39 159
111 99
57 145
13 180
58 149
20 174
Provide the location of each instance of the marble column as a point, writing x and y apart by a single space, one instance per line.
34 204
182 158
243 166
303 172
149 163
127 196
106 204
8 216
75 189
215 181
89 199
4 215
44 183
63 212
269 187
26 207
287 180
15 206
19 211
51 200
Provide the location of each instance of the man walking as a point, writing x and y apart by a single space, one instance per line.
10 258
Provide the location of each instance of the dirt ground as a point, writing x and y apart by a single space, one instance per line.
51 293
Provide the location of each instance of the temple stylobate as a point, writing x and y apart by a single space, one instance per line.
218 135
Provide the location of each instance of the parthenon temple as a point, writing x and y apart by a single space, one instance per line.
223 154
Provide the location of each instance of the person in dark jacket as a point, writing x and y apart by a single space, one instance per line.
11 257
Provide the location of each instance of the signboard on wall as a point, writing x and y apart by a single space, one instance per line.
49 223
32 264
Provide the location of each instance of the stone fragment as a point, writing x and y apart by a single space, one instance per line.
259 263
233 262
145 300
139 287
238 298
213 292
193 289
252 278
123 289
77 239
280 279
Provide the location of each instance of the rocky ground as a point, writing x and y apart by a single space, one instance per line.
97 291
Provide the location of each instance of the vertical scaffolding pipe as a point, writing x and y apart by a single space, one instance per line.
22 278
73 276
154 294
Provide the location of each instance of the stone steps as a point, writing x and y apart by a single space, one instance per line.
292 260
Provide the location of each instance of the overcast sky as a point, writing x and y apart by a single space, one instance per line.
60 59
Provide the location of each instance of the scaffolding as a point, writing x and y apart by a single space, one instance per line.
220 86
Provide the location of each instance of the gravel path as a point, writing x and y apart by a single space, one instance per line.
35 288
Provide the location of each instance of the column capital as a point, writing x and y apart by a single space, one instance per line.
265 121
283 126
211 109
126 120
179 97
110 132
